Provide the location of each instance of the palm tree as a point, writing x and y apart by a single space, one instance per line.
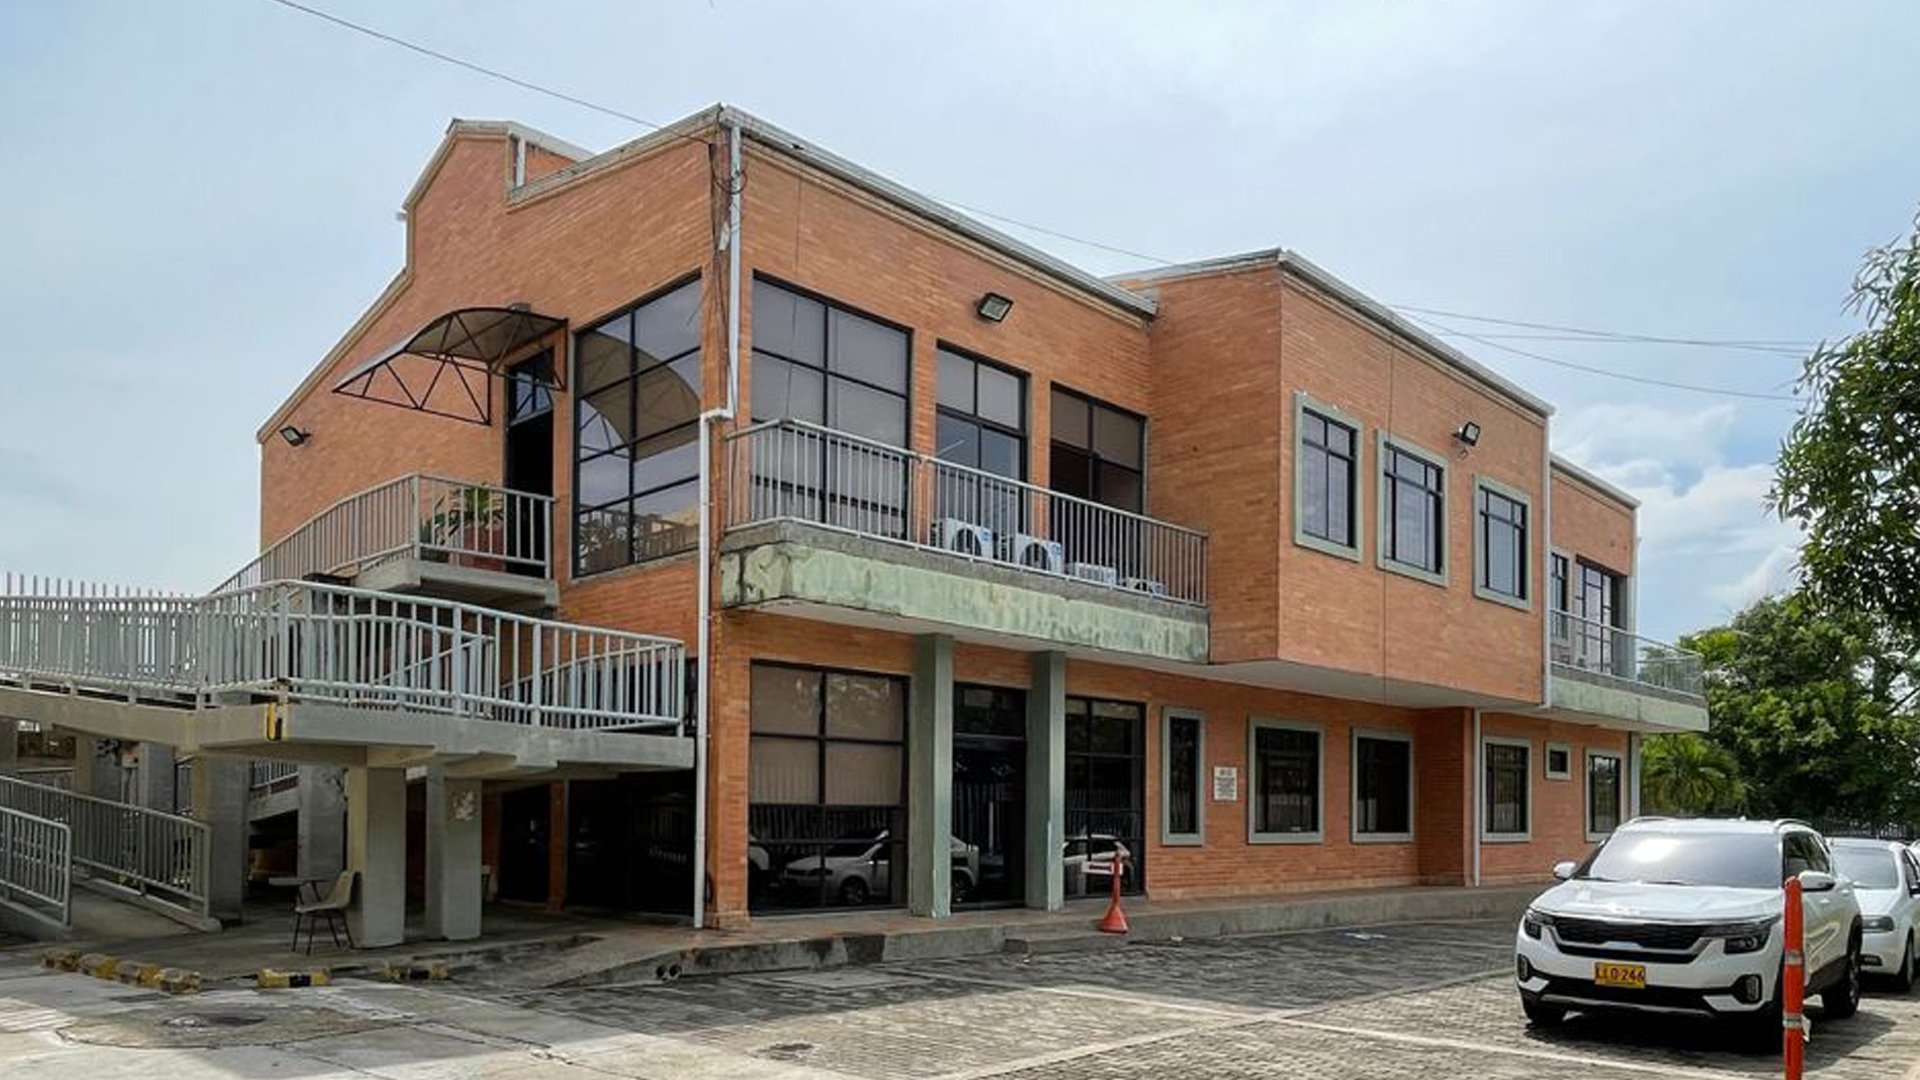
1686 774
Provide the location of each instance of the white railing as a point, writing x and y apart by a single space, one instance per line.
36 866
794 470
303 641
56 776
149 852
416 516
267 776
1589 645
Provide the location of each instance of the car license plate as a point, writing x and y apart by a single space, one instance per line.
1630 976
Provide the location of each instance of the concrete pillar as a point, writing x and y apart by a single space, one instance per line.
220 800
96 767
1635 743
1046 780
153 777
321 822
377 848
453 856
930 778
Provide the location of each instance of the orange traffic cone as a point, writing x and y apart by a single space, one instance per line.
1115 920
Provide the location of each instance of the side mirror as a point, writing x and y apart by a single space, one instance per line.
1563 870
1813 881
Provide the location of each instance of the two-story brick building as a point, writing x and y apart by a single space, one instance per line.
995 574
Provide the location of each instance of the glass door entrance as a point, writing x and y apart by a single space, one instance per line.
989 796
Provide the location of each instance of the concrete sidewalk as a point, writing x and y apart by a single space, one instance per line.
529 949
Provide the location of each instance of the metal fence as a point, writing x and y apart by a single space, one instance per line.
266 776
790 469
150 852
303 641
1589 645
415 516
36 865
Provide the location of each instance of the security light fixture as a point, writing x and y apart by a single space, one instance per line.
993 307
1469 434
294 436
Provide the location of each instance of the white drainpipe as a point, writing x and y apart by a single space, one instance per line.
704 635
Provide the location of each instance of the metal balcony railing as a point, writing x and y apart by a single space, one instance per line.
1588 645
265 777
793 470
417 516
152 853
303 641
36 866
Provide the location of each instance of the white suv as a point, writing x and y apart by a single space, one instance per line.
1675 916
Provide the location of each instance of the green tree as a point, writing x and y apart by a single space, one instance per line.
1803 702
1690 775
1849 471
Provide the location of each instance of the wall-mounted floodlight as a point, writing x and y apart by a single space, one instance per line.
1469 434
993 307
294 436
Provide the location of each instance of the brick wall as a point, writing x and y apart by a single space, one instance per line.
1589 524
1558 816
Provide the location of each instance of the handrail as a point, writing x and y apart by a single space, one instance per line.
1590 645
36 866
418 515
149 851
268 776
305 641
792 469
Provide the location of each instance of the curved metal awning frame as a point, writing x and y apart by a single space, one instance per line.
471 344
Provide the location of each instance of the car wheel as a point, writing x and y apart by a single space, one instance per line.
1541 1013
854 892
1842 999
1903 978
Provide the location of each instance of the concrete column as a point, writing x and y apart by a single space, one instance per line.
1046 780
321 822
96 767
153 777
930 778
377 848
1635 743
453 856
220 800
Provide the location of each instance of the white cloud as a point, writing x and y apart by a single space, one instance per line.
1634 436
1775 573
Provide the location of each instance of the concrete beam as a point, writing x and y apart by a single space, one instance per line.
220 800
930 778
1046 780
453 856
377 848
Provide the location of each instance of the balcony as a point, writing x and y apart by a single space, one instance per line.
423 534
859 531
1603 670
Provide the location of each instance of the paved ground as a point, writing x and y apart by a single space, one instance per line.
1398 1002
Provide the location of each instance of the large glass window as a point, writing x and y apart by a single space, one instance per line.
1106 795
981 423
1327 478
1506 785
827 821
1415 504
1098 452
1285 782
1183 761
1382 786
636 425
1604 790
1501 538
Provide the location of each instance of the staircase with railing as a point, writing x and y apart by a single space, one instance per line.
122 848
36 868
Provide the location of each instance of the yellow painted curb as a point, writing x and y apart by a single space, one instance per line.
408 971
269 979
61 959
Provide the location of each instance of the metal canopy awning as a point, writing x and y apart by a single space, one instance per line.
447 368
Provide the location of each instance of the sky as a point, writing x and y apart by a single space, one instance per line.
199 197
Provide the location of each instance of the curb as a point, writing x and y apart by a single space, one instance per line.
415 971
270 979
129 972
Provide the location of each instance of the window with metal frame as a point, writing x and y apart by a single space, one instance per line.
1106 766
636 432
1502 544
1098 451
1508 785
1327 463
827 774
1285 781
1182 760
1382 786
980 422
1604 793
1415 529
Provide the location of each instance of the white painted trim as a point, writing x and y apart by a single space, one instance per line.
1486 835
1586 793
1353 786
1546 760
1169 838
1255 724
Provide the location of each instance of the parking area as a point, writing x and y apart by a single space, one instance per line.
1380 1002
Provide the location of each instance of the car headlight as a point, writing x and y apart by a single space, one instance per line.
1877 924
1742 937
1533 922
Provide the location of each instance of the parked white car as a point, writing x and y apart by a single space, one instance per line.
1671 916
859 868
1886 880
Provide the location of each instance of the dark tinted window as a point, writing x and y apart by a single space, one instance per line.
1286 780
1738 860
1183 775
1507 800
1382 777
826 365
1870 868
1416 510
1503 544
1326 478
1603 793
1098 452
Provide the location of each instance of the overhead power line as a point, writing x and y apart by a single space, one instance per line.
1416 313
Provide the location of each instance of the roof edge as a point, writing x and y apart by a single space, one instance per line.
1593 480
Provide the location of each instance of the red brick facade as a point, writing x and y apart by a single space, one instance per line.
1216 371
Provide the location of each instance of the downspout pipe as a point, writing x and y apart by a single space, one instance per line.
703 692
